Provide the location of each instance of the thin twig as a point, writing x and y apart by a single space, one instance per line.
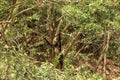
24 11
72 42
66 27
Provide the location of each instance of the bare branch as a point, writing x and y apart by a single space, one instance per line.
72 42
66 27
24 11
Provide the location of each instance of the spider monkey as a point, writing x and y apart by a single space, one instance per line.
59 48
61 61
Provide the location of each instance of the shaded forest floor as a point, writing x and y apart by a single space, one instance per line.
112 66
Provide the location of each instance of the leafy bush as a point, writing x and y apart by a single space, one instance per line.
24 25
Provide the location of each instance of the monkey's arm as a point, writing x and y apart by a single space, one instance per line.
48 42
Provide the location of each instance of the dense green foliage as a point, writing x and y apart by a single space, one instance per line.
89 28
